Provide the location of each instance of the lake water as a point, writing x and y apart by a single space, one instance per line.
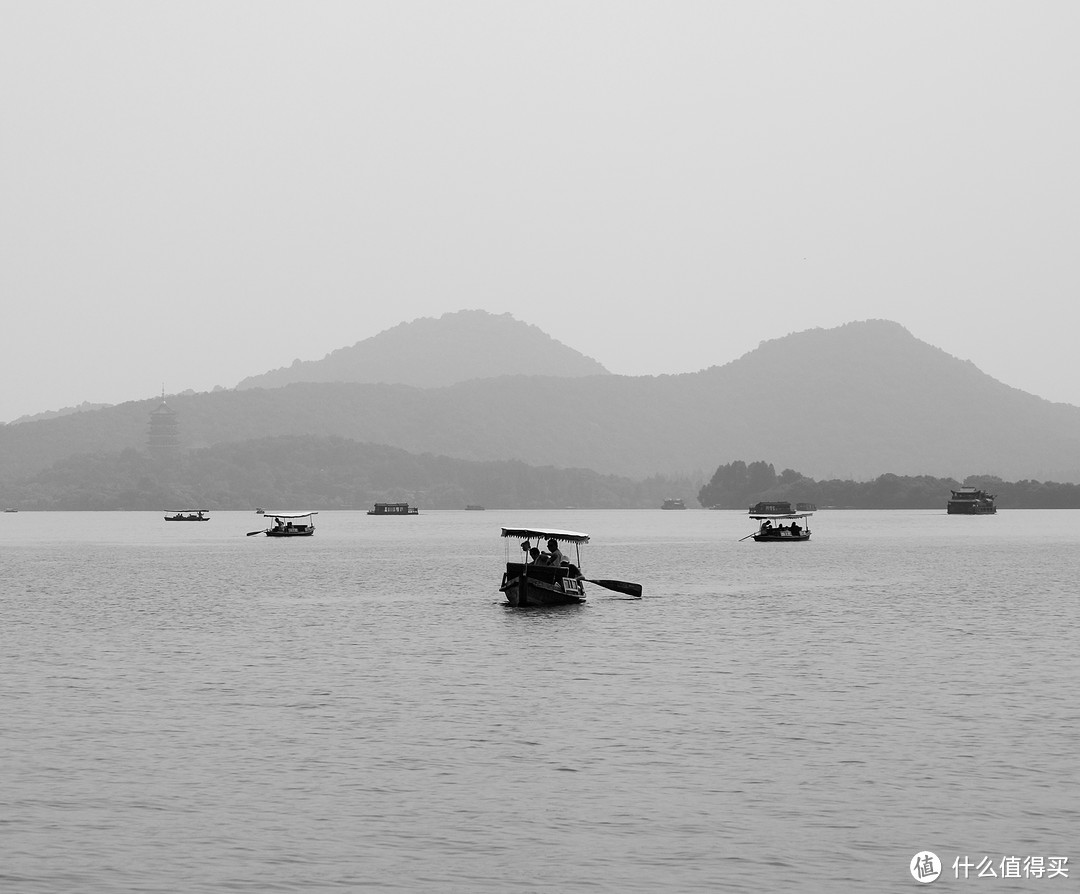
188 709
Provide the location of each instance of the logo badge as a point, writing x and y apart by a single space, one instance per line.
925 867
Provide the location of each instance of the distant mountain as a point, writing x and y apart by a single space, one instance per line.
432 353
852 402
84 407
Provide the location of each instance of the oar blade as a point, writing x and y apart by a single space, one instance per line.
619 586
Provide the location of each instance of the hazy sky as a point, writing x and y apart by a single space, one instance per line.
194 192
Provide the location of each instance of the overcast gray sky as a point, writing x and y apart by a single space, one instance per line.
194 192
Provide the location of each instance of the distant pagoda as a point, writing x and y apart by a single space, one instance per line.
163 435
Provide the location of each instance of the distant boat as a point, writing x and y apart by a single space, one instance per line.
189 515
11 510
673 504
475 507
288 524
260 511
971 501
393 509
771 516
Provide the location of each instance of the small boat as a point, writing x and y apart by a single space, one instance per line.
531 582
289 524
189 515
11 510
771 516
548 578
673 504
971 501
260 512
475 507
393 509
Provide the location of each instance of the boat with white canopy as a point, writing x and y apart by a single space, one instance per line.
547 577
288 524
534 580
771 518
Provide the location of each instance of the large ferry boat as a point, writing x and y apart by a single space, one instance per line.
971 501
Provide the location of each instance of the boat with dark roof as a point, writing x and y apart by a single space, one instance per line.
971 501
189 515
393 509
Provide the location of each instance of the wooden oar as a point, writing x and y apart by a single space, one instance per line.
620 586
253 533
747 537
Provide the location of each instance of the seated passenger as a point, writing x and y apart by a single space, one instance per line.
553 555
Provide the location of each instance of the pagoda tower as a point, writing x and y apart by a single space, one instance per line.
163 428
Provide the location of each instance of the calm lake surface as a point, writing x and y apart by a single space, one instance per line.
187 709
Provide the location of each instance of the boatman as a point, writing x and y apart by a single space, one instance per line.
553 555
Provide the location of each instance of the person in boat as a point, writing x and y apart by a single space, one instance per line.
554 555
766 527
278 524
795 529
535 558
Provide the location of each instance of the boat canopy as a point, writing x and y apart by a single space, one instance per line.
547 534
289 514
773 515
178 511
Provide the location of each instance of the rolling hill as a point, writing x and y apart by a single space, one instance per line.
432 353
853 402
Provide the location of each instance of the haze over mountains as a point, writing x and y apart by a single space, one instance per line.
854 402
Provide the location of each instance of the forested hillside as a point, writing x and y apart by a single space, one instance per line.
739 485
321 473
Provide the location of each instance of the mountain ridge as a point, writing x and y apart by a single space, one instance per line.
432 352
851 402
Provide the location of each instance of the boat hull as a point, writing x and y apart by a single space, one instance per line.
785 537
175 518
294 533
538 585
970 508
